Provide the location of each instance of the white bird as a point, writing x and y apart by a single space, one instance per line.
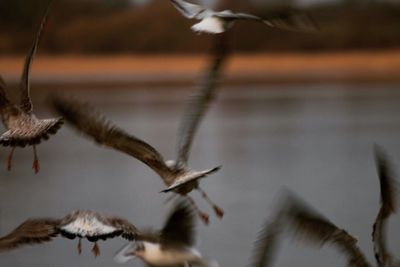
215 22
172 246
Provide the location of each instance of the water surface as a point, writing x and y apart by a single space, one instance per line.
315 140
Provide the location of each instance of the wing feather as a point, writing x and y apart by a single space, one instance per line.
388 190
188 10
264 248
89 122
3 96
199 103
284 20
129 231
179 227
34 231
26 102
312 226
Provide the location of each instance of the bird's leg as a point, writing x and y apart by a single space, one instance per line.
218 211
96 250
80 246
9 159
35 165
203 216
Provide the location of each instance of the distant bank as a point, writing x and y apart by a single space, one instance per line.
354 67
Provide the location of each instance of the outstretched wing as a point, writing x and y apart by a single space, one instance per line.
265 246
312 226
199 103
388 206
285 20
129 231
3 96
95 226
188 10
178 230
30 232
89 122
26 103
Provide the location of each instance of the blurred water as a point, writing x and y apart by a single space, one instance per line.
316 140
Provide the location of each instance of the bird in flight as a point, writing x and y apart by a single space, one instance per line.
307 224
23 128
79 224
177 176
216 22
173 245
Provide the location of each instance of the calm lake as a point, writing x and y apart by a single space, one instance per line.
315 140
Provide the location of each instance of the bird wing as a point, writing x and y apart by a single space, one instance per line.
129 231
95 226
265 246
188 10
3 96
199 103
388 206
312 226
284 20
178 230
89 122
33 231
26 102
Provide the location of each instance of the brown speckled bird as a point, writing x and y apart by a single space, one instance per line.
79 224
177 176
23 128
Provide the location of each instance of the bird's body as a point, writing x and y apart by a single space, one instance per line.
216 22
154 255
23 128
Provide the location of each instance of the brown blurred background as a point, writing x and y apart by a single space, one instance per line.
121 26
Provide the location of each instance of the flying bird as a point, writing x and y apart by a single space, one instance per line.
216 22
307 224
388 188
177 176
23 128
79 224
173 245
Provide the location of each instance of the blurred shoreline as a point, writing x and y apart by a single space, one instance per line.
175 70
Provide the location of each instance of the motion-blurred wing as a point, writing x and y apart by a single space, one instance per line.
388 207
3 96
26 102
104 133
188 10
179 228
129 231
264 248
34 231
287 20
94 226
198 105
312 226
